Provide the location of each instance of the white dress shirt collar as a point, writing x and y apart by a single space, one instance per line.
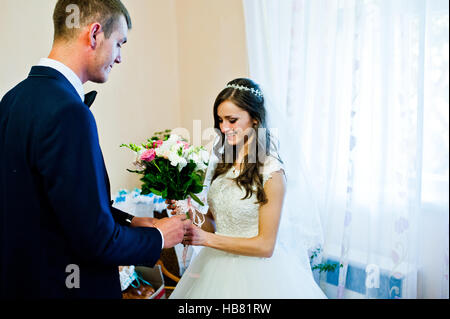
67 72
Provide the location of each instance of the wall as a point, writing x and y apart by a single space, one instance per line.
142 94
211 52
26 36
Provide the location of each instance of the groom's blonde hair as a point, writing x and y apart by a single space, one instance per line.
106 12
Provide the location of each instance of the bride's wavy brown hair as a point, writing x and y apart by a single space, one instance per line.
260 145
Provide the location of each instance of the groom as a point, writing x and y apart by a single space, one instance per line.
59 235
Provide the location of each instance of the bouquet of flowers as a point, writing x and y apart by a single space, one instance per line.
171 168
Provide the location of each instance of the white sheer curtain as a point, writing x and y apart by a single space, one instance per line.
358 91
268 30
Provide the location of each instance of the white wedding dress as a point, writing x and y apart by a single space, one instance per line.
220 275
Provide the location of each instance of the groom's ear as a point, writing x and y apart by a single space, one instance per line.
94 30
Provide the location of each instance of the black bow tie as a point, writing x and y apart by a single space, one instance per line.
89 98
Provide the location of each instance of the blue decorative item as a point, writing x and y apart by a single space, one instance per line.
138 279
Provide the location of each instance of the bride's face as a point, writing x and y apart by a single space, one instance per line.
234 122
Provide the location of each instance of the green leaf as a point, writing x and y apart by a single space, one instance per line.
132 147
194 197
196 188
155 191
137 172
187 184
324 267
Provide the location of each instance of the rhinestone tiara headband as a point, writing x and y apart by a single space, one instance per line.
244 88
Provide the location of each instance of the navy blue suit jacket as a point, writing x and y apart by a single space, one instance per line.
55 206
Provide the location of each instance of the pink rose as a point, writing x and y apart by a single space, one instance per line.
157 143
148 155
185 144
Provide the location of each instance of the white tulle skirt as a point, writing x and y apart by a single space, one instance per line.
215 274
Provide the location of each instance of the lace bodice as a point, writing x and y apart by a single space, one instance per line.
233 215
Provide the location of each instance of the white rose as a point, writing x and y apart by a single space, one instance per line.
173 138
205 156
176 160
193 156
162 151
201 166
182 164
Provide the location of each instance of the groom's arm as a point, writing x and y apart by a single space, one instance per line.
126 219
71 165
120 216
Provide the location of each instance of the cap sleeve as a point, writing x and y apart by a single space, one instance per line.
271 165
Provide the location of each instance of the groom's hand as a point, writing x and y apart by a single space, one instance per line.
173 229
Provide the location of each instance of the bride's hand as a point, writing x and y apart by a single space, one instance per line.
172 206
195 236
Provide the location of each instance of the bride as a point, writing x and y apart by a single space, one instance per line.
241 258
